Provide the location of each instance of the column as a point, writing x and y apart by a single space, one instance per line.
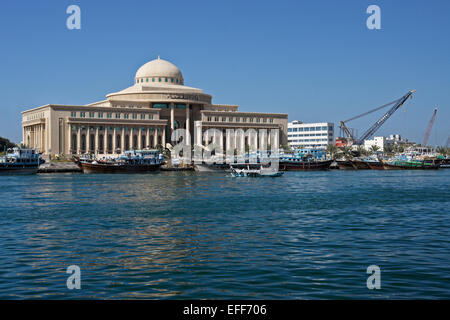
140 138
88 140
172 117
114 146
130 136
122 140
70 138
188 124
23 136
79 140
147 137
155 137
105 140
96 141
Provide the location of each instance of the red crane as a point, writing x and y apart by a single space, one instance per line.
430 126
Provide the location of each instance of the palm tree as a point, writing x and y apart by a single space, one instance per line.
332 150
374 148
346 151
390 149
442 150
361 150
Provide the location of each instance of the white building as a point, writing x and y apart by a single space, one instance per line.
380 142
143 115
310 135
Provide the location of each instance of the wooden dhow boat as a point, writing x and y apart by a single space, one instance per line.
133 161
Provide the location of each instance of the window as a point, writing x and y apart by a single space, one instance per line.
244 119
153 79
82 114
264 120
224 119
230 119
134 116
150 116
251 119
73 114
171 80
91 114
161 105
100 115
167 79
238 119
216 119
177 81
147 79
271 120
324 128
258 120
208 119
159 79
117 115
109 115
126 116
142 116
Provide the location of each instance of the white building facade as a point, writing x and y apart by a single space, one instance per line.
310 135
144 116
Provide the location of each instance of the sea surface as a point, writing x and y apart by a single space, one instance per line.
172 235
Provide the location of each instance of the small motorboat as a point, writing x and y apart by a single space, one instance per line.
263 172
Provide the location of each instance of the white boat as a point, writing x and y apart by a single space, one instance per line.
20 161
262 172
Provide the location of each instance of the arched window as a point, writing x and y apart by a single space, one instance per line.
101 147
74 143
127 142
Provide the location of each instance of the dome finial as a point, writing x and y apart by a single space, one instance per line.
159 57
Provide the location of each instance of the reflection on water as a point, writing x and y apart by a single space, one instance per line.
173 235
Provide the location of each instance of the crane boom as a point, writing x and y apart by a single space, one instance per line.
430 126
383 119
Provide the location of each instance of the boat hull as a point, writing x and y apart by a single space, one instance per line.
393 166
18 169
375 165
305 165
118 168
346 165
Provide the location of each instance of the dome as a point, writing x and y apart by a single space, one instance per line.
160 71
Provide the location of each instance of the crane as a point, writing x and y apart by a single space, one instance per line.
430 126
396 105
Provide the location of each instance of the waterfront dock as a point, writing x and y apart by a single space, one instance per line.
59 167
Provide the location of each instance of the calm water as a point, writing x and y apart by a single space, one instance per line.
177 236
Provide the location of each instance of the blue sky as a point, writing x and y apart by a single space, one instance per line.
315 60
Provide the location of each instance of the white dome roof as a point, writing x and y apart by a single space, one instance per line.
159 68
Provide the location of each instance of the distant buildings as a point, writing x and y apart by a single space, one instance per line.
382 142
310 135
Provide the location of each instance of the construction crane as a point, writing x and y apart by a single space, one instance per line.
430 126
396 105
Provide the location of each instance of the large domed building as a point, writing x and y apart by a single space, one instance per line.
143 115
